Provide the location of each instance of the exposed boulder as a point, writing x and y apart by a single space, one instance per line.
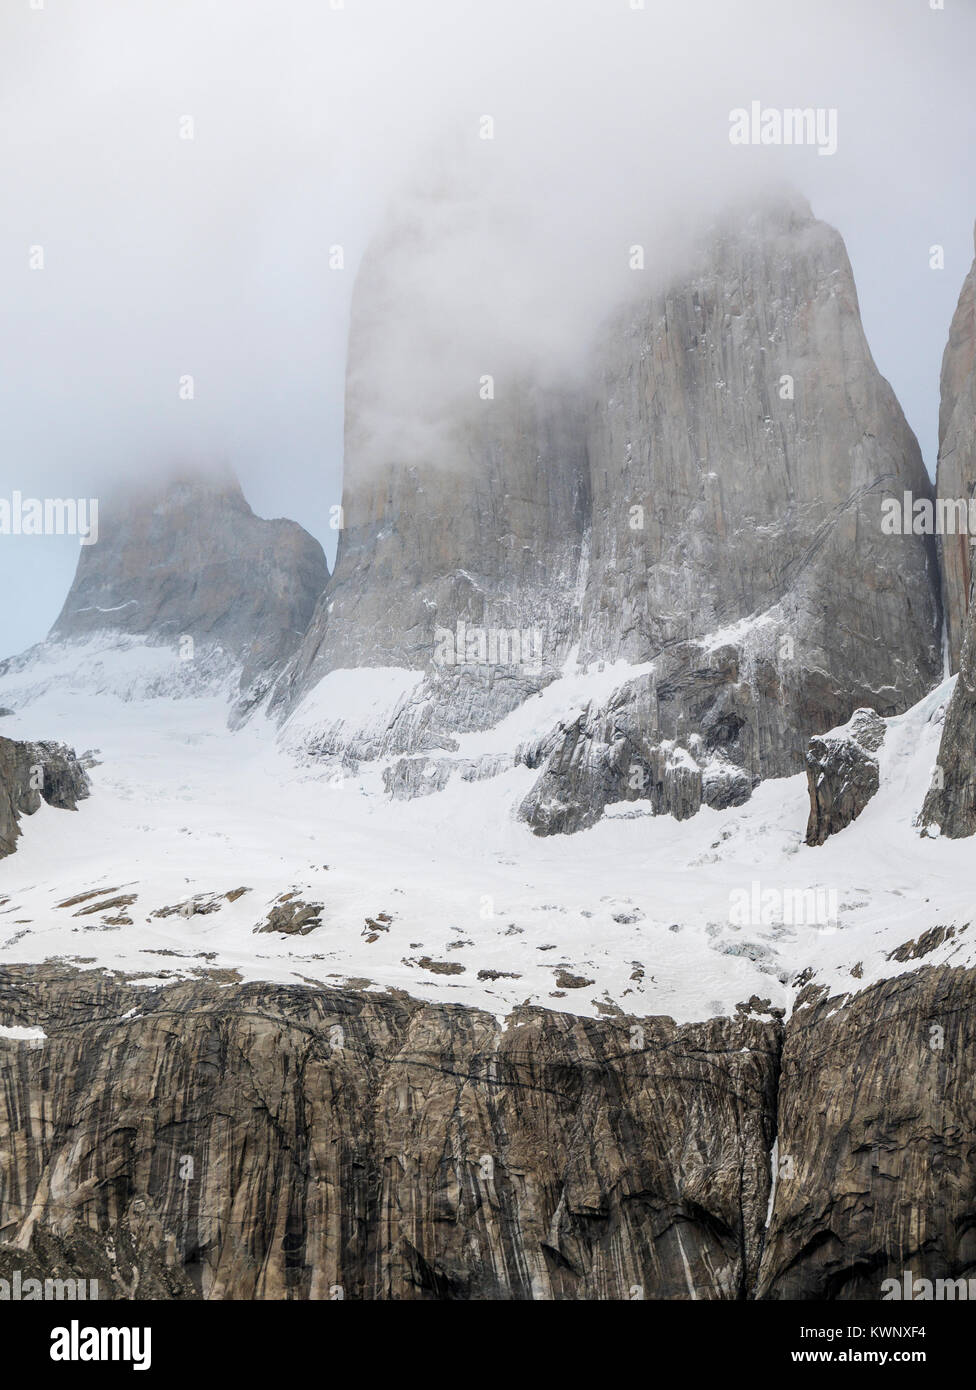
842 773
292 917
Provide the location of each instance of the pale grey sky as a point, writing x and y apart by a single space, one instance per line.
165 256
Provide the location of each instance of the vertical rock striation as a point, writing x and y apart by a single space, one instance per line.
956 476
950 804
709 500
874 1149
206 1139
314 1143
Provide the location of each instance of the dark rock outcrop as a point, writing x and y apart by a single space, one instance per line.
842 773
125 1259
617 754
315 1143
31 773
292 917
875 1161
950 802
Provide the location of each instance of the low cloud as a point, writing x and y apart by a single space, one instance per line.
188 169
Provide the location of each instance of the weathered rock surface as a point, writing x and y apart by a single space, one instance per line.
461 503
950 804
186 557
408 778
735 533
256 1141
31 773
292 917
309 1143
124 1259
956 475
842 773
709 501
877 1112
615 754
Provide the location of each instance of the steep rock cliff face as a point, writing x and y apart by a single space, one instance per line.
31 773
742 413
267 1142
956 476
188 557
465 494
709 501
874 1157
950 802
741 447
488 535
253 1141
950 805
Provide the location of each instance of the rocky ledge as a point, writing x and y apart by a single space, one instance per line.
843 773
31 773
214 1139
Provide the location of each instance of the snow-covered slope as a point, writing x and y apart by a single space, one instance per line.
451 897
118 667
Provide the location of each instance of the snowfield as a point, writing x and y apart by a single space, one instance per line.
636 915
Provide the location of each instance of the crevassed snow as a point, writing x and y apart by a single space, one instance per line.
638 906
116 667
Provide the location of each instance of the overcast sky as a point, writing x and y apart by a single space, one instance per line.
166 256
